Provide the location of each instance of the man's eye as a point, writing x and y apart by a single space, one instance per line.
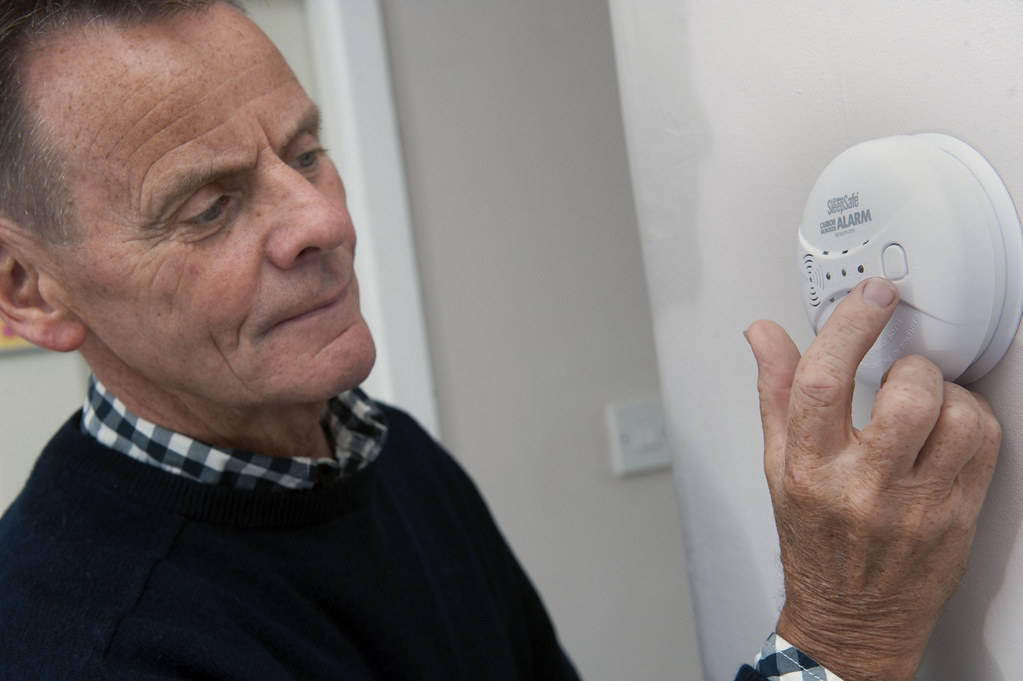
308 159
213 213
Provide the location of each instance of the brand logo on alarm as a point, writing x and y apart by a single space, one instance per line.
840 204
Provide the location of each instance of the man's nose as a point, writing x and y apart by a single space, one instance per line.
305 220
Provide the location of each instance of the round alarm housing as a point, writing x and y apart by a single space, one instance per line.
929 213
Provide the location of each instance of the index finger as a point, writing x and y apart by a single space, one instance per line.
820 406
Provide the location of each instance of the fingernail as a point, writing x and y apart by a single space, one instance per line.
880 292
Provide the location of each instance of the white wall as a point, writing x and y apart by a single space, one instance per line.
537 311
39 390
732 109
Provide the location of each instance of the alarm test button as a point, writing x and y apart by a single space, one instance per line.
893 260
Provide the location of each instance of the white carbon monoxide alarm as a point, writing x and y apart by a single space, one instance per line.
929 213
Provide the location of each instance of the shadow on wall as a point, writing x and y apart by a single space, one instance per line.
724 559
670 143
958 647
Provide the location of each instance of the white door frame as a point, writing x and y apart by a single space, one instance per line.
360 126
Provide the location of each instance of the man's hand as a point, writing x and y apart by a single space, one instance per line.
875 525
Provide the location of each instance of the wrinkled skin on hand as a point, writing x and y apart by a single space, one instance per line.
875 525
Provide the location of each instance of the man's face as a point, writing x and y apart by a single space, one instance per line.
214 265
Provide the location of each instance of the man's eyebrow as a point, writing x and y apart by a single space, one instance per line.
309 123
192 179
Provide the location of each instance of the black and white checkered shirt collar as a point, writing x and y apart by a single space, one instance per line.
357 424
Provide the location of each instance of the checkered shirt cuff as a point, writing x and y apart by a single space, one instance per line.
779 660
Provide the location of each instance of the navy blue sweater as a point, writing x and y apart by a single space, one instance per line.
111 569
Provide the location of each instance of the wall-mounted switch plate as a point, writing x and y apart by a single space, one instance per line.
639 441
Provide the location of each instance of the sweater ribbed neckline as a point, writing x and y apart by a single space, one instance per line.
76 459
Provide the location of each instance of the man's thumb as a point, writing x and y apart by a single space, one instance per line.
777 357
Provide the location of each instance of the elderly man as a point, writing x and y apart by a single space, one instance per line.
229 505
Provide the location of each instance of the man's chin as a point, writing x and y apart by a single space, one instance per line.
350 358
298 371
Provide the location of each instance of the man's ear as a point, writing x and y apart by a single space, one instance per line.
29 304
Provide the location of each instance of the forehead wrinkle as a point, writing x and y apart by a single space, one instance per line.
125 132
137 186
136 90
171 100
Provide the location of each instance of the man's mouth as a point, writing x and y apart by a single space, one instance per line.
322 305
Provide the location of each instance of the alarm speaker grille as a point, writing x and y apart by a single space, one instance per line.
814 279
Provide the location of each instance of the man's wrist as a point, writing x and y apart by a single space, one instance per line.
857 655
